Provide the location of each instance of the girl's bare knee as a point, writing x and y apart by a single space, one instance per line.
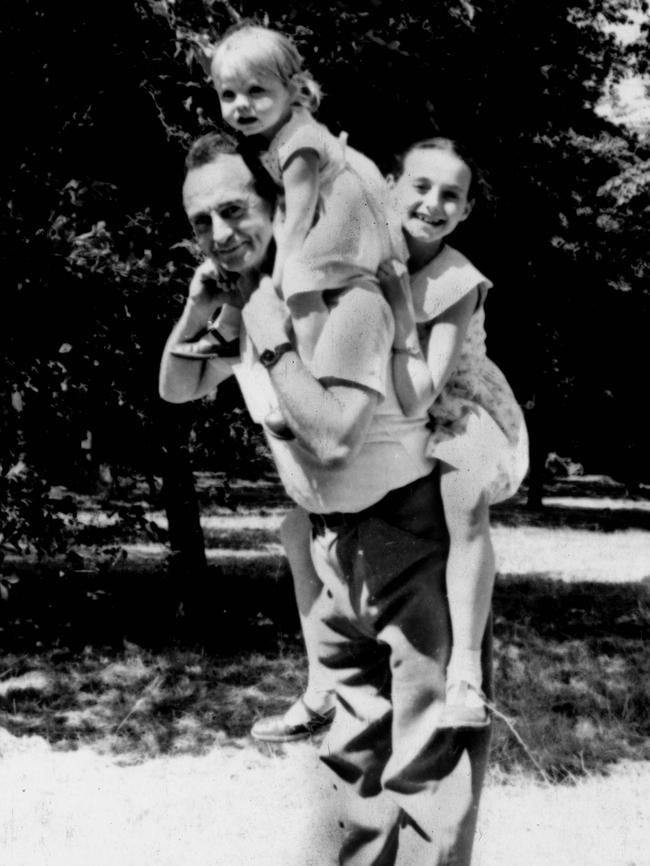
463 498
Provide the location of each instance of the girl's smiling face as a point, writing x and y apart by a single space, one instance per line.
432 196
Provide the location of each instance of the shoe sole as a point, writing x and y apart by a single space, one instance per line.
464 726
289 738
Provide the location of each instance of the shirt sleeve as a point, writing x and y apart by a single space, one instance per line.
443 282
356 342
301 133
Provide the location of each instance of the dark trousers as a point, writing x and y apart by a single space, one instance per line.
411 790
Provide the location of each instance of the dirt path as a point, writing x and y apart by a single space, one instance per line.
237 807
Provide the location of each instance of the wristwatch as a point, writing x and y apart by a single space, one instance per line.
269 357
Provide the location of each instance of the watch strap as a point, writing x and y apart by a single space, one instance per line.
270 357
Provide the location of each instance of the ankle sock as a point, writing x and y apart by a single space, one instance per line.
465 664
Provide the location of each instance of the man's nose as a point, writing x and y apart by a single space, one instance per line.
221 230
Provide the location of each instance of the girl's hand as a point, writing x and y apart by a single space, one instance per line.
395 284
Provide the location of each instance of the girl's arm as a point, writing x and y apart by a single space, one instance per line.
411 375
301 189
446 339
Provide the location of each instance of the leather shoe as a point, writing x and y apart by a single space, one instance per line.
276 729
465 708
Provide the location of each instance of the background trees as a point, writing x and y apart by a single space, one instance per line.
101 101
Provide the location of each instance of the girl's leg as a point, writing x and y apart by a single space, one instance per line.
470 581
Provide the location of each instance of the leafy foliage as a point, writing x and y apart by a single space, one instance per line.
31 521
95 255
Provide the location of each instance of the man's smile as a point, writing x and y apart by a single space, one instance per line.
229 249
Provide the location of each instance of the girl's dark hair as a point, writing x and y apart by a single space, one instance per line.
478 185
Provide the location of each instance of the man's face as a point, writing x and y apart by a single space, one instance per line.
232 224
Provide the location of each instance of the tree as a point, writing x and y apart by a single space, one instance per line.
95 253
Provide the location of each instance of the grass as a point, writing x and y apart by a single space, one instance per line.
572 674
137 664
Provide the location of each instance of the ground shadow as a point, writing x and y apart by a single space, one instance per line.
122 665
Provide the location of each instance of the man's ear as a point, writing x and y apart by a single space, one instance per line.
391 180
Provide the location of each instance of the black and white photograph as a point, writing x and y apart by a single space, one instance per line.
324 466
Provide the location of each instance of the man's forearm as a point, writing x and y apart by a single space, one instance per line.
182 380
331 422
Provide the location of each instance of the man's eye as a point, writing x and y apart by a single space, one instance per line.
450 196
201 223
232 213
420 187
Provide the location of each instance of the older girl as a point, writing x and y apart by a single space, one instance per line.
479 433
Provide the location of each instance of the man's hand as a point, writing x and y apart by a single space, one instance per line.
205 292
266 317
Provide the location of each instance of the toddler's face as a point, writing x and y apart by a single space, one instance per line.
432 194
253 104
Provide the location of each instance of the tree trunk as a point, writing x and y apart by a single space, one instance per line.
188 565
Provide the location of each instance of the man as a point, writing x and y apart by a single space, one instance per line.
379 543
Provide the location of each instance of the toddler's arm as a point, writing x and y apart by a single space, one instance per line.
446 339
411 375
301 189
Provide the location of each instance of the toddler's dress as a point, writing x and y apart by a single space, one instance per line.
355 227
478 424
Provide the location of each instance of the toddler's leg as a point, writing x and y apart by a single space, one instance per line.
228 322
308 317
220 338
470 581
314 710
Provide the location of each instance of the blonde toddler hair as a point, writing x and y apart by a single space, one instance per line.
251 48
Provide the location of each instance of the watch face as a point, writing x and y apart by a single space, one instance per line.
270 356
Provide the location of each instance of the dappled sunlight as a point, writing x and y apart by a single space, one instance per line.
112 654
571 673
